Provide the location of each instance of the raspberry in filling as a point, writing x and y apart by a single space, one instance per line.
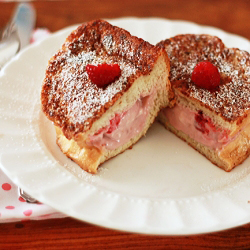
197 126
203 123
123 126
113 125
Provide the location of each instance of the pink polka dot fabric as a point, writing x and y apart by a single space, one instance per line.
12 206
15 208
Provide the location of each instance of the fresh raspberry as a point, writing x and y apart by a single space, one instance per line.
114 123
204 124
206 75
103 74
201 122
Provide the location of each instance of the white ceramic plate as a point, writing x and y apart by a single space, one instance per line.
162 186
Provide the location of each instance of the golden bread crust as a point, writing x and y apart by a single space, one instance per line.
228 158
228 106
80 109
68 97
87 157
231 101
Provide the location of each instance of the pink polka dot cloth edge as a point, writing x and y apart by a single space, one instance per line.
12 206
15 208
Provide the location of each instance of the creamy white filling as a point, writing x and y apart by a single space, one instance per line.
205 132
123 127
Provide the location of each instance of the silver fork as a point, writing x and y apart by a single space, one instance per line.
13 37
26 196
17 32
9 43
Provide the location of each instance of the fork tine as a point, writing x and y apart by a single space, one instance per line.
26 197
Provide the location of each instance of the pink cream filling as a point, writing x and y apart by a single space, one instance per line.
197 126
123 126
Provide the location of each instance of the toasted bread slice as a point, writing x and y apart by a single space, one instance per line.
215 122
93 123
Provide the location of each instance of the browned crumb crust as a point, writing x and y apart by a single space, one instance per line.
231 156
68 97
231 100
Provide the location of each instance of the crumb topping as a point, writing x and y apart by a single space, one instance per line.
232 98
69 98
81 101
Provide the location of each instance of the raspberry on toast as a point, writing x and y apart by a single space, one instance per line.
102 90
215 120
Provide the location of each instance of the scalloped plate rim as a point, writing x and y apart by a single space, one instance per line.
107 223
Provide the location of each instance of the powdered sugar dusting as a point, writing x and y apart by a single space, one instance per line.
83 175
108 43
232 99
226 183
69 98
78 97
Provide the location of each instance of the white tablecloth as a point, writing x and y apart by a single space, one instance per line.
12 206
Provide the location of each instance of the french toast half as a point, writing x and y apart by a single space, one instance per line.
96 123
214 122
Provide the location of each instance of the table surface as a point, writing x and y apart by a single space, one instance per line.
229 15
